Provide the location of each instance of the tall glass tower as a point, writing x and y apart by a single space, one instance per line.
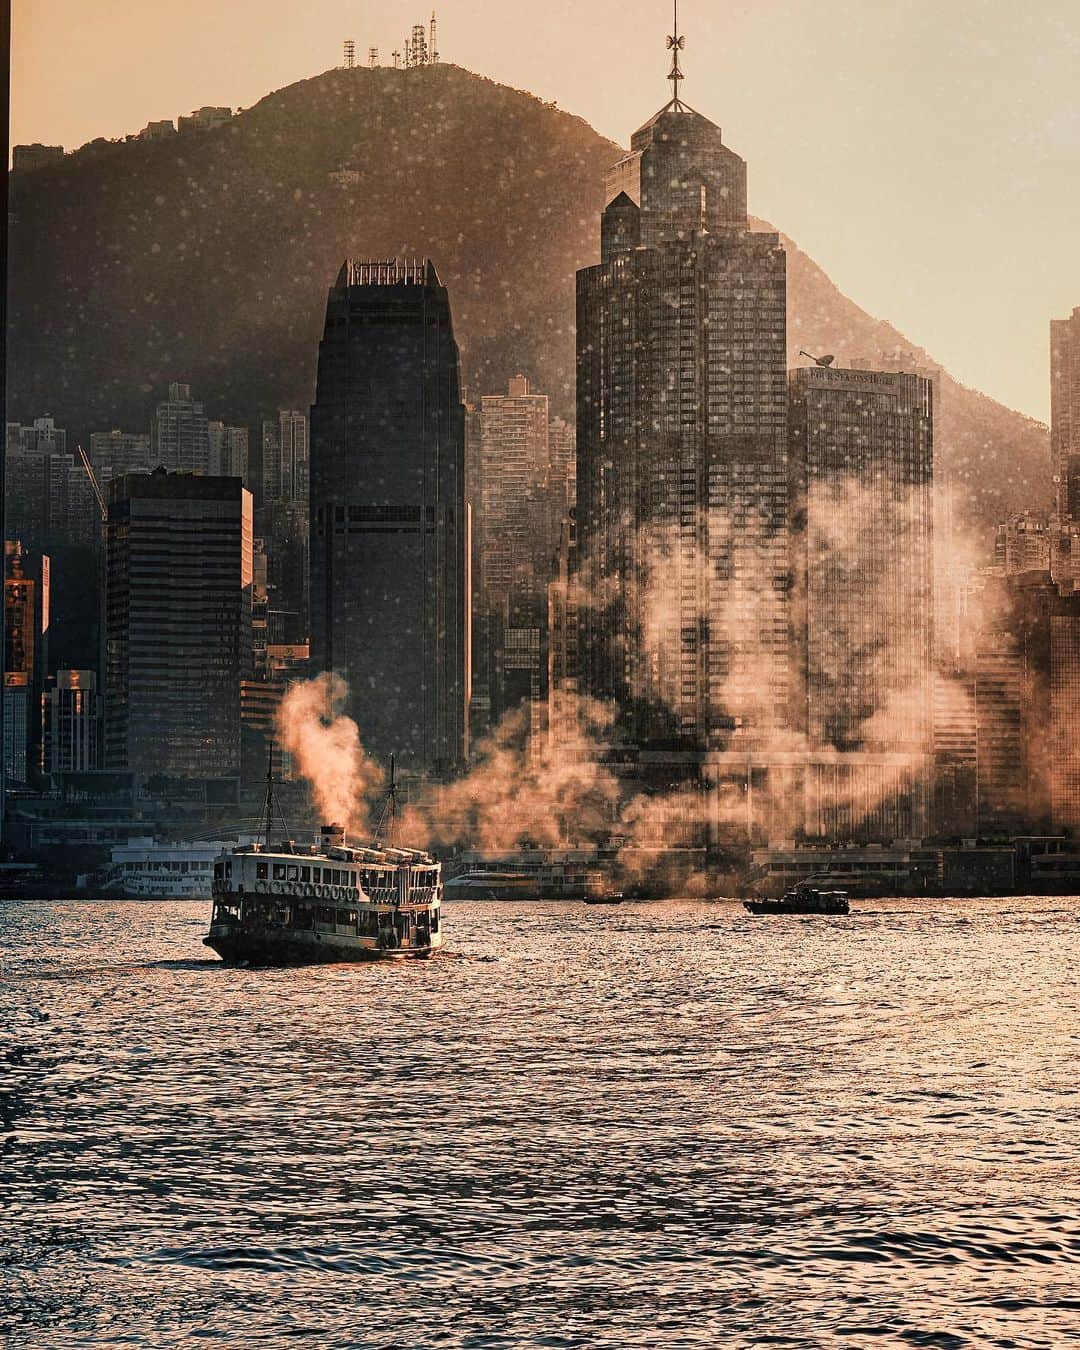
388 521
682 493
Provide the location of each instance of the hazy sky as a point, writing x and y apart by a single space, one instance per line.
925 152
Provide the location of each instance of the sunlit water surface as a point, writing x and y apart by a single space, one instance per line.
657 1125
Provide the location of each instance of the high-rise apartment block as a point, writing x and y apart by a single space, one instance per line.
228 451
179 434
49 500
1022 543
177 625
389 528
113 453
681 446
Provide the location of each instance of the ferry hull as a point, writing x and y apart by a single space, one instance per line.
242 946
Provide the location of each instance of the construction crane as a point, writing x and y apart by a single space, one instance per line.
93 482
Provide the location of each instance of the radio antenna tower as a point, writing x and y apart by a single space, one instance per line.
675 44
350 53
373 57
397 59
433 46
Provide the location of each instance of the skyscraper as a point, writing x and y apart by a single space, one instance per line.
71 717
285 463
1065 412
26 656
284 520
861 456
862 463
389 529
681 445
179 434
519 511
177 625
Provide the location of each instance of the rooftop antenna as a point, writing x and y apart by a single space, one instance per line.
350 53
433 50
372 57
389 811
818 360
675 44
268 804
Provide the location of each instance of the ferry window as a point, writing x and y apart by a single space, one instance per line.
434 920
228 869
327 876
325 914
292 873
305 874
339 876
260 871
279 871
352 878
219 871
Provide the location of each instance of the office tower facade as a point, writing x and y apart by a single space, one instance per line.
228 451
862 465
564 652
861 456
177 625
285 462
26 657
1065 444
681 447
1045 624
516 535
389 528
180 434
116 452
284 520
71 714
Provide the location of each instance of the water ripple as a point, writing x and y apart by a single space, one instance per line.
667 1125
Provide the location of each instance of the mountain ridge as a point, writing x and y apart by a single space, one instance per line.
207 258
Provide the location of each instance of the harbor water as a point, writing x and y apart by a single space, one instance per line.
662 1125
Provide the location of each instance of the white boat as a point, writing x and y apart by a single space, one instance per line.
287 904
148 870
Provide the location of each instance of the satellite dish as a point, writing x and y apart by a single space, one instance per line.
819 360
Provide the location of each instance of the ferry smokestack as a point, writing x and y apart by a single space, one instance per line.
332 836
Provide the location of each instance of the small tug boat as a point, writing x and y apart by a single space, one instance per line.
288 904
802 899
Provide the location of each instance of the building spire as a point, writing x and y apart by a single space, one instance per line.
675 44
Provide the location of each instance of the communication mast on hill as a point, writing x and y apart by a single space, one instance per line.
418 52
433 46
350 53
372 57
397 59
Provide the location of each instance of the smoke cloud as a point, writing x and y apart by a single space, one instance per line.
564 790
325 746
